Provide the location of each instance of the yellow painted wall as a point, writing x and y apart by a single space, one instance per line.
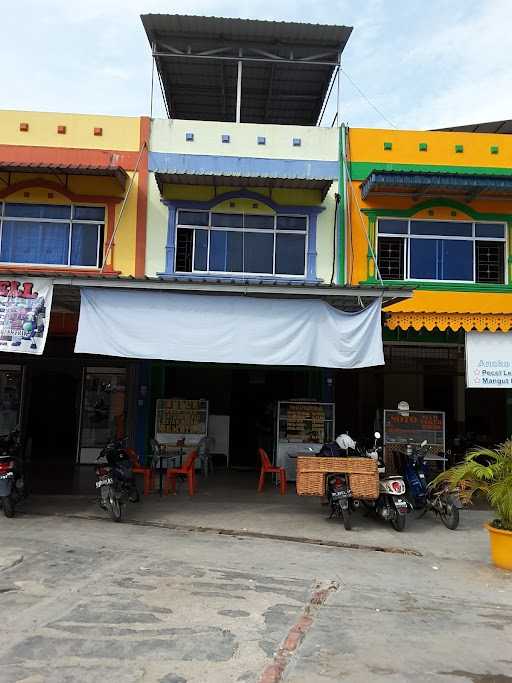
119 132
124 254
158 217
367 146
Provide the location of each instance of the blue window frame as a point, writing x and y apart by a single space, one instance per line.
261 244
51 234
456 251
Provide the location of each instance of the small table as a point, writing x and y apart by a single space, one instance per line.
165 456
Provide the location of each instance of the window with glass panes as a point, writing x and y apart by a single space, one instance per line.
262 244
458 251
51 234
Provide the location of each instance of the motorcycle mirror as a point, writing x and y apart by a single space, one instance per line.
377 435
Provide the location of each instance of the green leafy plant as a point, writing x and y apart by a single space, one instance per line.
488 471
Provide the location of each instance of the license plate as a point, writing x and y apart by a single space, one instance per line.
104 482
400 503
7 476
336 495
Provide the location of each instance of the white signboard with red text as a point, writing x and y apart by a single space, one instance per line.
25 314
489 360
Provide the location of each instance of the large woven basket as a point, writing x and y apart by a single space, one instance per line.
362 473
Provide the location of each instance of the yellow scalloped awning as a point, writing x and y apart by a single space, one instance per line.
454 310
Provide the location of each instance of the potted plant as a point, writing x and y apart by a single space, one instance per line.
489 471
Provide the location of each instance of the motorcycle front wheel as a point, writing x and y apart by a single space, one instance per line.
345 515
8 506
449 516
115 507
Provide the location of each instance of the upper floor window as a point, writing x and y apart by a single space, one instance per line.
51 234
262 244
457 251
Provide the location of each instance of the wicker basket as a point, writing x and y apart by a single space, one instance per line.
362 473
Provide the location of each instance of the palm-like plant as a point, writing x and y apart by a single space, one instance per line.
490 472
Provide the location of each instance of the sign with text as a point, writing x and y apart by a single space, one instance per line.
489 360
25 315
414 427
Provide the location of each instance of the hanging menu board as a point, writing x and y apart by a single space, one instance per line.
414 427
176 418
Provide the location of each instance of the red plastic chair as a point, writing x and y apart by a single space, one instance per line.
147 472
188 469
268 468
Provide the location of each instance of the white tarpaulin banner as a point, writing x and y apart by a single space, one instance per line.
489 360
227 329
25 314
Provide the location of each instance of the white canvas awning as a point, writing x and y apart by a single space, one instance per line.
227 329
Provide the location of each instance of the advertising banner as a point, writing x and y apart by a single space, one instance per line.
489 360
414 427
25 315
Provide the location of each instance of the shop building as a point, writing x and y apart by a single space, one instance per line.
73 206
432 210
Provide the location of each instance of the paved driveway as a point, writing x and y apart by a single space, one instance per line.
87 600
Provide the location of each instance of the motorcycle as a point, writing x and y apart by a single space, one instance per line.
391 505
12 483
115 481
339 498
427 496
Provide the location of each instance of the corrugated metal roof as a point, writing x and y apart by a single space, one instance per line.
65 169
197 62
503 127
241 181
446 183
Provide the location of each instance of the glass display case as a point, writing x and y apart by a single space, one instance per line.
103 415
302 427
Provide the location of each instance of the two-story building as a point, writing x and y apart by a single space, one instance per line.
73 197
432 209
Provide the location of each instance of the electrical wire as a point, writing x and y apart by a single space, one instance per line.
372 105
335 231
363 222
121 211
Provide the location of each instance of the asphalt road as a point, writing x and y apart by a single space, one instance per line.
89 600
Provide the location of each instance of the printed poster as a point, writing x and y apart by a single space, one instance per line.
489 360
25 315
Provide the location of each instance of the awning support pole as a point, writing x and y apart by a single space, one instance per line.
239 91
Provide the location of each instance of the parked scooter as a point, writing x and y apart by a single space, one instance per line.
424 495
115 481
12 483
391 505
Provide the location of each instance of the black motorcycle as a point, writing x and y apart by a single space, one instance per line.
12 483
339 497
115 481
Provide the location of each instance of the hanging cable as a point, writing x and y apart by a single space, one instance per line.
121 211
337 199
373 106
363 223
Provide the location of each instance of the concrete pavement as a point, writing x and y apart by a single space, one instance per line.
93 601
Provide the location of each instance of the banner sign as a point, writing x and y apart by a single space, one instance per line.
489 360
414 427
25 315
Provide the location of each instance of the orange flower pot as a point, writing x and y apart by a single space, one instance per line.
501 547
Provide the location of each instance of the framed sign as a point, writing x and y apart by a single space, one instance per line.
414 427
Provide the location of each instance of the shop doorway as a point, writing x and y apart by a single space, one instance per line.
52 429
